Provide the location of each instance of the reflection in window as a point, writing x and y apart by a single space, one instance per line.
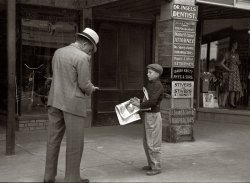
42 31
203 58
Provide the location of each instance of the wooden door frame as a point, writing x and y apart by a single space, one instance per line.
148 59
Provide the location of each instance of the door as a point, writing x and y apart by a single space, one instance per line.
119 69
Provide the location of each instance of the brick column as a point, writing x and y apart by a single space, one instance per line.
177 32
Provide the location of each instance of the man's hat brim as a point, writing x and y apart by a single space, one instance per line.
89 38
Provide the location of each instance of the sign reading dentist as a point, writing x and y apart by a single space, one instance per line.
184 12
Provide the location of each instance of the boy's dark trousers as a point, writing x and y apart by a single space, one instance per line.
152 139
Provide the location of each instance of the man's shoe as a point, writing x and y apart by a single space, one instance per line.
146 168
49 181
84 180
153 172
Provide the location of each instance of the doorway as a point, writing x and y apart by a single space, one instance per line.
119 67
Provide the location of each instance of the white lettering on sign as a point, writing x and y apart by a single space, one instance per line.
184 37
183 64
184 15
182 89
184 12
183 70
184 40
185 7
185 25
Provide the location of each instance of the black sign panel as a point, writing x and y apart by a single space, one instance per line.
166 80
183 74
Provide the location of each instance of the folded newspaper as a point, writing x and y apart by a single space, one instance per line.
128 113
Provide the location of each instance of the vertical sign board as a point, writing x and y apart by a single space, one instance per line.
184 35
184 28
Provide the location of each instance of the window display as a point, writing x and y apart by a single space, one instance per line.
42 31
223 67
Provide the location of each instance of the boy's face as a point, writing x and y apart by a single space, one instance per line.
152 75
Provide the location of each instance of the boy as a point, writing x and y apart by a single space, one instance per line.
152 119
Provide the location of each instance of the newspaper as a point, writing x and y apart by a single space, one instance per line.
146 97
145 93
127 113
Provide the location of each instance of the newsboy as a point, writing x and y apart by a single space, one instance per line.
152 120
67 104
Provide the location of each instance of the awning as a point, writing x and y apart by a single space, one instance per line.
241 4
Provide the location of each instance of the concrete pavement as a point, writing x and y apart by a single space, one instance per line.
220 153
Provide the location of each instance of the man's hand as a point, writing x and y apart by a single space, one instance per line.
95 88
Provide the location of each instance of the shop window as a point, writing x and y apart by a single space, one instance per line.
42 31
216 80
35 79
212 80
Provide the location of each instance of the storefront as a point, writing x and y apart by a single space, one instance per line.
188 38
223 23
30 33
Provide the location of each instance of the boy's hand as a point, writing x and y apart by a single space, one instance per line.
135 102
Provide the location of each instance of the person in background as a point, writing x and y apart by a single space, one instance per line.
152 120
67 104
234 84
222 75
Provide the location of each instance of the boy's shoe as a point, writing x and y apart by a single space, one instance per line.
79 181
84 180
146 168
153 172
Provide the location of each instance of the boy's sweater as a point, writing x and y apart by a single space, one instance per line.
155 93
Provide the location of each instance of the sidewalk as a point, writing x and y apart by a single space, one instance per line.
220 153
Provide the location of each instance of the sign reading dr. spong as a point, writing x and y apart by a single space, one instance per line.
182 89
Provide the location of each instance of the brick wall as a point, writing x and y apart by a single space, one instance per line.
27 125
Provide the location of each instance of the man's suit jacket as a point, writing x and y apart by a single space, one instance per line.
71 80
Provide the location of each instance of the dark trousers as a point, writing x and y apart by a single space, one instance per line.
59 122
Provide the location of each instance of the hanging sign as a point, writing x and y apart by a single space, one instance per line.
184 37
183 74
183 61
185 12
180 49
184 25
182 89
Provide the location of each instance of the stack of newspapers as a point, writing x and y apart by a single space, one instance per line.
128 113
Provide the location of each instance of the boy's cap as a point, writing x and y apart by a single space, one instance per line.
156 67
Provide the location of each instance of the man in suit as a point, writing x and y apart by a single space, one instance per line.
67 104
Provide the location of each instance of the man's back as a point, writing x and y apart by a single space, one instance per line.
65 93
